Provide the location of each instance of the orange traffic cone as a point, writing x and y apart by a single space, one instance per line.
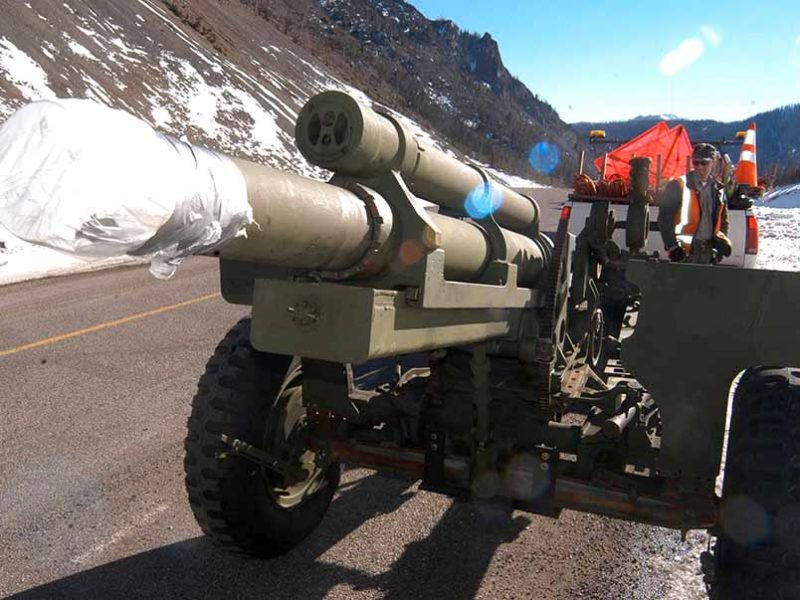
746 169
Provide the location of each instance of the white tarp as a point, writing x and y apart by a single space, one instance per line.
97 182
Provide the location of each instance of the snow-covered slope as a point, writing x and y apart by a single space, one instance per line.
178 84
787 196
242 102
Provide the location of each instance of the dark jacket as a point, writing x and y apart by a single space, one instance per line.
720 199
669 213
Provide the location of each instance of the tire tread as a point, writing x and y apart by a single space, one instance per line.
762 443
228 496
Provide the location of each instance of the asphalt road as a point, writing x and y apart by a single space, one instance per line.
96 375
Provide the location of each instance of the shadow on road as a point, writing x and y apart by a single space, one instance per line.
450 562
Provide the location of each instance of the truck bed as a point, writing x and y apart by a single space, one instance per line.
737 228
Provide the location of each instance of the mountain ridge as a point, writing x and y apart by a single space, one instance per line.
453 79
232 74
777 135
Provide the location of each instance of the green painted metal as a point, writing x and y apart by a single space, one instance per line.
302 223
341 323
697 328
305 224
337 132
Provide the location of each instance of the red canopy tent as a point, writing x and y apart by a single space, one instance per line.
673 145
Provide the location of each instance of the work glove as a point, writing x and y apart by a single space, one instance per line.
676 254
722 245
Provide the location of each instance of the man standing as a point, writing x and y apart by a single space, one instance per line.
696 211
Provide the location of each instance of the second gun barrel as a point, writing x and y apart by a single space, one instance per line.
337 132
305 224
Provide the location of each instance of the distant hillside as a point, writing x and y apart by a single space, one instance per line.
454 80
778 134
232 74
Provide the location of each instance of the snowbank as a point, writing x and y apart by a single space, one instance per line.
779 238
778 215
23 261
97 182
787 196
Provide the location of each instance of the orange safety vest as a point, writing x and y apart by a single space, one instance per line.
688 219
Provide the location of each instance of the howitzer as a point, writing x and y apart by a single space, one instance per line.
409 315
363 244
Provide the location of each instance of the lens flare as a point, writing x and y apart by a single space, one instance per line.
411 252
527 477
687 52
712 35
544 157
483 200
744 520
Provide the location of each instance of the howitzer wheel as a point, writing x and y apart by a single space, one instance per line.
757 553
241 504
613 316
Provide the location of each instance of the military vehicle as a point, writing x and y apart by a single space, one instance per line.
457 343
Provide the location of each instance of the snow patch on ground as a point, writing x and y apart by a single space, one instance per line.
265 135
24 72
188 88
787 196
778 215
161 117
96 91
81 50
230 107
440 99
23 261
778 238
513 181
127 49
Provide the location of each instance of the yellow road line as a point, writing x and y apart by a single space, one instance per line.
108 325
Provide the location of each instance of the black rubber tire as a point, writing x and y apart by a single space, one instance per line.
232 497
757 552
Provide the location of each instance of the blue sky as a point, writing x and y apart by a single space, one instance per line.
616 59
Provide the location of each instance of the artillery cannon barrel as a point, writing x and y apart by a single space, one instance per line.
307 224
336 132
300 223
